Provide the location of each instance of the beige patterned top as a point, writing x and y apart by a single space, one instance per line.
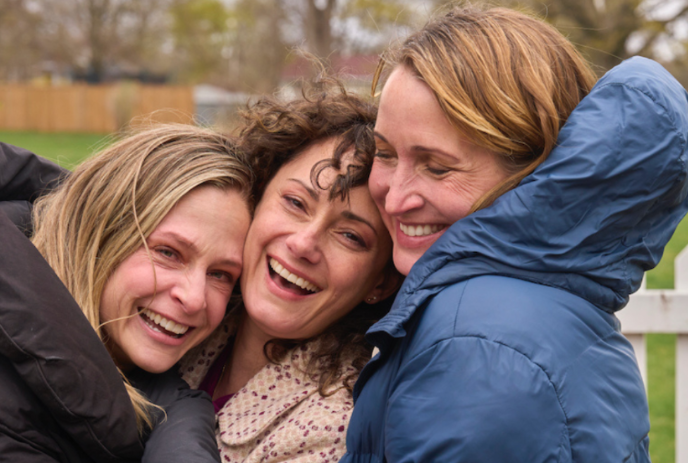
279 415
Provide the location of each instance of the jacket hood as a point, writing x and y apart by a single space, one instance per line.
593 217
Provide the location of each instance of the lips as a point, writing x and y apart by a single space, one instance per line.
160 324
291 281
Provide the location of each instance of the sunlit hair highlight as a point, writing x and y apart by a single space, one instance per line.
104 211
506 80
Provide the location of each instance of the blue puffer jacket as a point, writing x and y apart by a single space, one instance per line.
502 345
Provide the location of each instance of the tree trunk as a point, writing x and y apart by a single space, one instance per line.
318 27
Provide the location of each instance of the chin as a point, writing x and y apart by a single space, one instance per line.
155 366
403 263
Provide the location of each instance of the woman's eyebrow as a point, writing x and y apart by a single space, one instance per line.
419 148
311 192
181 240
380 136
191 246
346 214
351 216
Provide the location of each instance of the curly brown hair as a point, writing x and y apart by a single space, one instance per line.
274 134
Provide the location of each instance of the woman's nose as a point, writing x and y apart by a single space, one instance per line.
403 193
304 243
190 291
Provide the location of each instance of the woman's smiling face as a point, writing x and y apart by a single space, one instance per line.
196 250
426 174
308 261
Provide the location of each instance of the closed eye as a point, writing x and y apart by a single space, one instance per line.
437 170
384 155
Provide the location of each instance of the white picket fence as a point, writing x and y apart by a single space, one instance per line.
664 311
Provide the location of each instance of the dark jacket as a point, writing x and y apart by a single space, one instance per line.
62 397
502 345
23 178
63 400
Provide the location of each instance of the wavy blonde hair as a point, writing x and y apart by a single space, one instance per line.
506 80
104 211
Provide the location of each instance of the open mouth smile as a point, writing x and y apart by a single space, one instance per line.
420 230
160 324
290 281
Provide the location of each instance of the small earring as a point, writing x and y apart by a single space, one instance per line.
371 299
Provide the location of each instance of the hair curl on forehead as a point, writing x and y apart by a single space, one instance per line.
276 132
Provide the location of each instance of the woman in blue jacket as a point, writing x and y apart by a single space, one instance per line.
523 225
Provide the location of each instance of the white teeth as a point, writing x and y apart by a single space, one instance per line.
420 230
169 325
291 278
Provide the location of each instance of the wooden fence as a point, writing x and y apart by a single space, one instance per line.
91 108
664 311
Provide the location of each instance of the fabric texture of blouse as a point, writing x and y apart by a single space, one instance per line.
279 415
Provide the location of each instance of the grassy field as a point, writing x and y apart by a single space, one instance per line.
69 149
661 362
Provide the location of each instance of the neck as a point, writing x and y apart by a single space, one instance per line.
246 360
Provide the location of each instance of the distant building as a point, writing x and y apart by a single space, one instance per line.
215 105
355 71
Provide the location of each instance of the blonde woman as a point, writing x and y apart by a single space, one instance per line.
147 238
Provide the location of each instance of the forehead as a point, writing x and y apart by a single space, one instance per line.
411 119
303 162
208 218
405 97
312 166
299 170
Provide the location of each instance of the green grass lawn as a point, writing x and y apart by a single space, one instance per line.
661 360
69 149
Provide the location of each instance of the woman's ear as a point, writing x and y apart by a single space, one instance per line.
389 283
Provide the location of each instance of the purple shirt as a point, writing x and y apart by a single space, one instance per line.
212 378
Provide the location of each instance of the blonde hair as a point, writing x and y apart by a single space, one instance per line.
505 80
105 210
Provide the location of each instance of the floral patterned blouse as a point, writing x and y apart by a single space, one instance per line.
279 416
